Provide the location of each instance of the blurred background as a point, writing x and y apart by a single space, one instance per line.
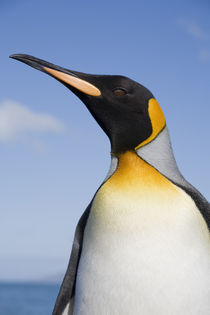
53 155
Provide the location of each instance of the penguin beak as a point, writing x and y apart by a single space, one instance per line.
76 81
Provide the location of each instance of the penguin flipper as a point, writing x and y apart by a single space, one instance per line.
201 202
66 294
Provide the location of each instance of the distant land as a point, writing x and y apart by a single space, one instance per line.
53 279
32 269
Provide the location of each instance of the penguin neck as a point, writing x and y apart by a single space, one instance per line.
134 174
159 154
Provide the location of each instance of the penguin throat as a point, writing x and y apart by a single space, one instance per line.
132 171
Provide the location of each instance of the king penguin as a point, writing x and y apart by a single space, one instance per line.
142 246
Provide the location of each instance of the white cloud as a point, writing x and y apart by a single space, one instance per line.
17 120
192 28
204 55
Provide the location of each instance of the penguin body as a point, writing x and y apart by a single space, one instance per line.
137 256
142 245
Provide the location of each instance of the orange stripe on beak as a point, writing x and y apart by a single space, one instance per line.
75 82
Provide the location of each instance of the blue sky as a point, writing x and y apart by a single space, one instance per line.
53 155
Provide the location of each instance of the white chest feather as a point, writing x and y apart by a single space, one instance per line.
146 249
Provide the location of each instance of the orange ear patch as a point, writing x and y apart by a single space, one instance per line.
157 120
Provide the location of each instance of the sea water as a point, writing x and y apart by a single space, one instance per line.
27 298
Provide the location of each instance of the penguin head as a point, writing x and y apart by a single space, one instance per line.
125 109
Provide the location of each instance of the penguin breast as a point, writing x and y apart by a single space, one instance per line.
146 247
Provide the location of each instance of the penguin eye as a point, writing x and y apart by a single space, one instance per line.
119 92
